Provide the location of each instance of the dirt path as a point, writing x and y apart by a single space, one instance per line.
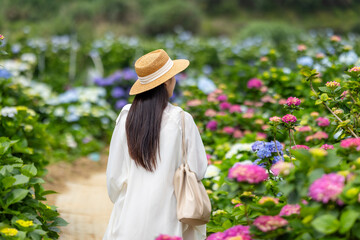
82 198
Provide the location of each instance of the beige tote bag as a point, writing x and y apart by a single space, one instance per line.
193 203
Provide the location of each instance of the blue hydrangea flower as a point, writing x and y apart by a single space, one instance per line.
257 145
118 92
5 73
263 153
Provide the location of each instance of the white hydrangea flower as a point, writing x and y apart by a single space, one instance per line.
28 57
70 141
59 112
238 147
8 112
212 171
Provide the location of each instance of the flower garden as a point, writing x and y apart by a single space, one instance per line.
280 124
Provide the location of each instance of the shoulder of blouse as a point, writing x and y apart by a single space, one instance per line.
123 110
174 113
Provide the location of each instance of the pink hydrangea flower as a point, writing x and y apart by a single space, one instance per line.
320 55
212 125
210 113
282 168
208 157
314 114
228 130
303 129
293 101
268 99
355 69
290 209
194 102
318 135
351 143
222 98
248 173
300 147
264 89
275 119
248 115
322 122
167 237
238 205
254 83
327 188
282 101
238 134
269 223
235 108
265 127
248 103
321 135
264 59
216 236
301 47
288 118
261 136
218 91
212 97
332 84
225 105
344 95
335 38
259 104
327 146
239 230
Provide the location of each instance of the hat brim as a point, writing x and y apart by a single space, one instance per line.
178 66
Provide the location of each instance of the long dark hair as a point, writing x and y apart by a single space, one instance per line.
143 126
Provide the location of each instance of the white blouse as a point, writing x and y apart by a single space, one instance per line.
144 202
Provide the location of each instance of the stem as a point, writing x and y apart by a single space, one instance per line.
246 214
290 144
336 116
277 150
293 138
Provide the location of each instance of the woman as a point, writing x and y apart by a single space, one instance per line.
145 151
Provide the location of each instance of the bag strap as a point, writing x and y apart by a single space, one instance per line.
184 147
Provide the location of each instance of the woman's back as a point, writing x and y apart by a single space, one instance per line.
144 201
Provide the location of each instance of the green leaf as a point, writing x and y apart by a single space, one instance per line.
48 192
326 224
36 180
36 234
227 224
324 89
20 179
29 170
324 97
315 174
317 102
356 230
347 220
5 144
15 196
61 222
6 169
8 181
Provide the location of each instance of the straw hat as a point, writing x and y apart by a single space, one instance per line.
155 68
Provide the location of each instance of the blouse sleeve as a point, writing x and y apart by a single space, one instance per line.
196 154
117 166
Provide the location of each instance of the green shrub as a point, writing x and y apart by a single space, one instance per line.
278 32
164 18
